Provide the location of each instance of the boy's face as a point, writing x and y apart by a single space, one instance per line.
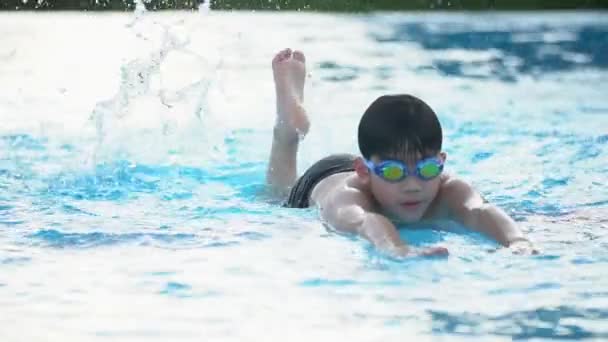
408 199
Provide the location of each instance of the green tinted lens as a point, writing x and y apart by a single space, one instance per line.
430 170
392 172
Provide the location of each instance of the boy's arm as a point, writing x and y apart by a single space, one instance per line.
350 211
470 209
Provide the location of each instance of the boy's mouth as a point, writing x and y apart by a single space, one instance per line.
410 204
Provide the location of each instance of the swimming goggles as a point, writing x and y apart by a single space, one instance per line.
395 171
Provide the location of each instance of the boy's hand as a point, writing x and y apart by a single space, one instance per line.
523 247
405 252
432 251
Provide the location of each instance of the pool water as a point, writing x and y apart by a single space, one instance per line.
132 161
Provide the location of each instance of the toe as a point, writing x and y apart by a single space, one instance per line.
299 55
281 55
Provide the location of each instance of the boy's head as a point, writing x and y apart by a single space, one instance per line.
400 128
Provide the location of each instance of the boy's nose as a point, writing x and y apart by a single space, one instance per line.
411 184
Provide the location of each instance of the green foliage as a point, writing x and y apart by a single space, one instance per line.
306 5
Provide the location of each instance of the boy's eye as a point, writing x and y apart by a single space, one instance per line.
392 172
429 170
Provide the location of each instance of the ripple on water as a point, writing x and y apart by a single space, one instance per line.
57 239
176 289
15 260
544 322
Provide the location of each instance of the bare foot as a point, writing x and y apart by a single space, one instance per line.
289 69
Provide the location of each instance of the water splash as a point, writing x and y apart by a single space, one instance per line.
138 13
148 91
204 7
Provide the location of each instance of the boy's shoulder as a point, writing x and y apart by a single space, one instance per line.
454 191
340 189
450 182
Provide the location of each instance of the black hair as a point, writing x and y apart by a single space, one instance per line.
399 126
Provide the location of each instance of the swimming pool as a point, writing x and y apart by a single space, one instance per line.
132 162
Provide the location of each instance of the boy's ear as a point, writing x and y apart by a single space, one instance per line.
361 170
443 156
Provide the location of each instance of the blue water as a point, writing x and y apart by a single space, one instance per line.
132 162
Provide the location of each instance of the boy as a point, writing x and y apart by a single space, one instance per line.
398 178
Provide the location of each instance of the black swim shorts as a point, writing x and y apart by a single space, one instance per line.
299 195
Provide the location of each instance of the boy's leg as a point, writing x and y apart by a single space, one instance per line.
289 70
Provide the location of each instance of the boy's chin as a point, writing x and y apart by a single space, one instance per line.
406 217
410 219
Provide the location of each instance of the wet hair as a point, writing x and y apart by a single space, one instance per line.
399 126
